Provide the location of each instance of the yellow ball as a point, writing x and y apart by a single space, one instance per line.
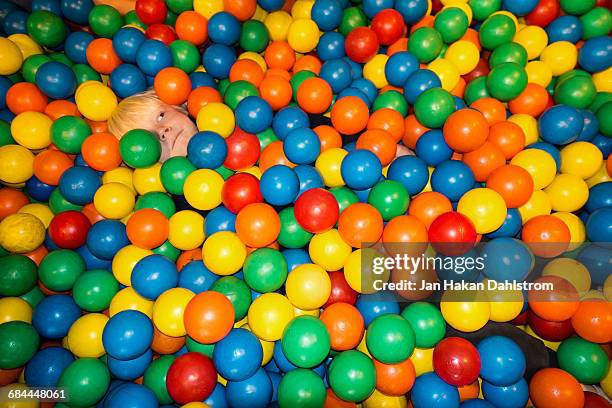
422 359
10 57
529 125
195 405
301 9
374 70
608 288
32 130
601 176
308 286
260 14
114 200
95 101
576 228
208 7
300 312
538 73
571 270
278 23
121 175
16 164
21 233
485 208
329 250
26 44
567 193
15 309
464 55
85 335
202 189
465 311
603 80
539 164
15 403
560 56
224 253
582 159
125 260
328 163
254 170
216 117
253 56
128 299
269 314
40 211
148 179
359 272
606 383
538 204
505 304
379 400
168 311
186 230
534 39
446 71
303 35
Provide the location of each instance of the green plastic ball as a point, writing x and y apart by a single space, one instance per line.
168 250
265 270
68 133
496 30
60 269
427 323
586 361
433 107
174 172
94 290
237 291
224 172
237 91
506 81
604 113
139 148
576 7
390 198
390 339
185 55
508 52
352 375
600 100
425 43
17 275
84 73
596 22
451 23
5 134
192 345
254 36
344 196
306 341
482 9
178 6
33 297
291 235
577 91
266 137
61 57
155 378
297 79
31 65
352 17
132 19
393 100
58 204
105 20
158 201
301 388
46 28
170 18
18 343
86 381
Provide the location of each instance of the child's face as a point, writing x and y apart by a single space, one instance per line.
174 129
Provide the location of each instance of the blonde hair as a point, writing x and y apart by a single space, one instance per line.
131 111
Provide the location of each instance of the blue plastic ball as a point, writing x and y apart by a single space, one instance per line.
600 196
199 79
127 80
46 367
356 68
412 10
253 114
295 257
376 304
350 91
331 46
372 7
411 171
503 361
476 403
92 261
288 119
598 260
596 54
77 11
49 5
603 143
127 335
453 179
79 184
56 80
15 22
327 14
399 67
75 46
511 226
254 392
5 84
106 237
565 28
196 277
217 398
560 124
224 28
38 190
507 259
599 226
430 390
418 82
360 169
129 370
54 315
238 355
590 126
127 42
207 150
218 60
309 177
511 396
367 87
153 275
153 56
271 5
279 185
432 148
219 219
131 395
337 72
519 7
302 146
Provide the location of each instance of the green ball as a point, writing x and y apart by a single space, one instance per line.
158 201
168 250
68 133
174 172
17 275
222 86
58 204
61 57
31 65
476 89
390 198
297 79
254 36
393 100
496 30
576 7
344 196
508 52
139 148
192 345
18 344
306 341
433 107
427 323
185 55
224 172
586 361
265 270
484 8
506 81
292 235
390 339
596 23
425 44
60 269
155 378
105 20
266 137
84 73
237 291
451 23
352 17
170 18
94 290
600 99
132 19
178 6
352 375
86 381
604 113
33 297
5 134
301 388
577 91
46 28
237 91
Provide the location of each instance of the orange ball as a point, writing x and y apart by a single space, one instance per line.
163 344
609 165
9 376
390 120
428 206
97 127
359 224
508 136
11 201
532 101
61 108
556 305
276 90
333 401
350 115
466 130
554 388
172 85
49 165
147 228
513 183
102 56
91 213
307 63
593 320
395 379
493 110
246 70
200 97
272 155
279 54
472 36
314 95
241 9
405 234
379 142
208 317
193 27
413 130
398 46
328 136
101 151
257 225
38 254
469 391
187 256
484 160
278 72
344 324
24 97
547 236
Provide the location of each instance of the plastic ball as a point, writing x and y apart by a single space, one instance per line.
69 229
127 335
430 390
352 375
467 316
503 362
87 379
85 335
95 101
539 164
21 233
191 377
551 386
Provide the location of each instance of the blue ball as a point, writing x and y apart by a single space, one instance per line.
217 397
271 5
560 124
79 184
511 226
327 14
600 196
253 114
596 54
429 390
590 126
279 185
337 73
295 257
218 60
238 355
207 150
599 226
15 22
418 82
199 79
448 268
502 360
127 42
507 259
130 395
309 177
56 80
565 28
476 403
127 80
350 91
399 67
47 366
550 149
153 56
376 304
129 370
453 179
196 277
510 396
127 335
367 87
411 171
302 146
459 103
5 84
520 7
224 28
412 10
372 7
281 360
106 237
288 119
598 260
153 275
92 261
356 68
360 169
49 5
219 219
77 11
254 392
54 315
38 190
432 148
331 45
75 46
603 143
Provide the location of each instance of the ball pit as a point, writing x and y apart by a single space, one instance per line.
194 196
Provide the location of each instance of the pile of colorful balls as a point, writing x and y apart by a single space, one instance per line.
327 130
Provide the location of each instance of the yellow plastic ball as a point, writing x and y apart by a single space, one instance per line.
464 55
10 57
534 39
374 70
329 250
168 311
253 56
464 310
15 309
359 272
95 101
186 230
269 314
529 125
567 192
505 304
125 260
123 175
538 204
606 383
539 164
21 233
85 335
485 208
40 211
303 35
16 403
260 14
202 189
208 8
224 253
571 270
576 228
582 159
26 44
278 23
216 117
16 164
422 359
300 312
32 130
308 286
446 71
603 80
195 404
379 400
538 73
301 9
148 179
114 200
560 56
601 176
328 163
129 299
253 170
608 288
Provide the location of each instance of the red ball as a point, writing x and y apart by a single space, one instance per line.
521 319
316 210
243 150
151 11
239 191
544 13
482 69
551 331
341 292
69 229
361 44
452 233
456 361
388 25
161 32
191 377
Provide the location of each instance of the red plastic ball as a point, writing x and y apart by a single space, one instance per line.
361 44
452 233
316 210
191 377
341 292
456 361
161 32
551 331
544 13
69 229
239 191
151 11
242 150
388 25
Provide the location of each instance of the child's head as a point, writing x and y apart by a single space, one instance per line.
146 111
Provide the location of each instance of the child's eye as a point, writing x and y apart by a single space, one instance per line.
160 116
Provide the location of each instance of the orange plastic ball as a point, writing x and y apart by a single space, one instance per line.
379 142
329 137
466 130
241 9
200 97
556 305
187 256
101 151
508 136
428 206
49 165
60 108
11 201
484 160
163 344
532 101
24 96
405 234
208 317
398 46
193 27
513 183
246 70
307 63
344 324
493 110
359 224
350 115
257 225
172 85
390 120
547 236
395 379
147 228
276 90
314 95
413 129
469 391
593 320
91 213
272 155
270 72
279 54
102 56
554 388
